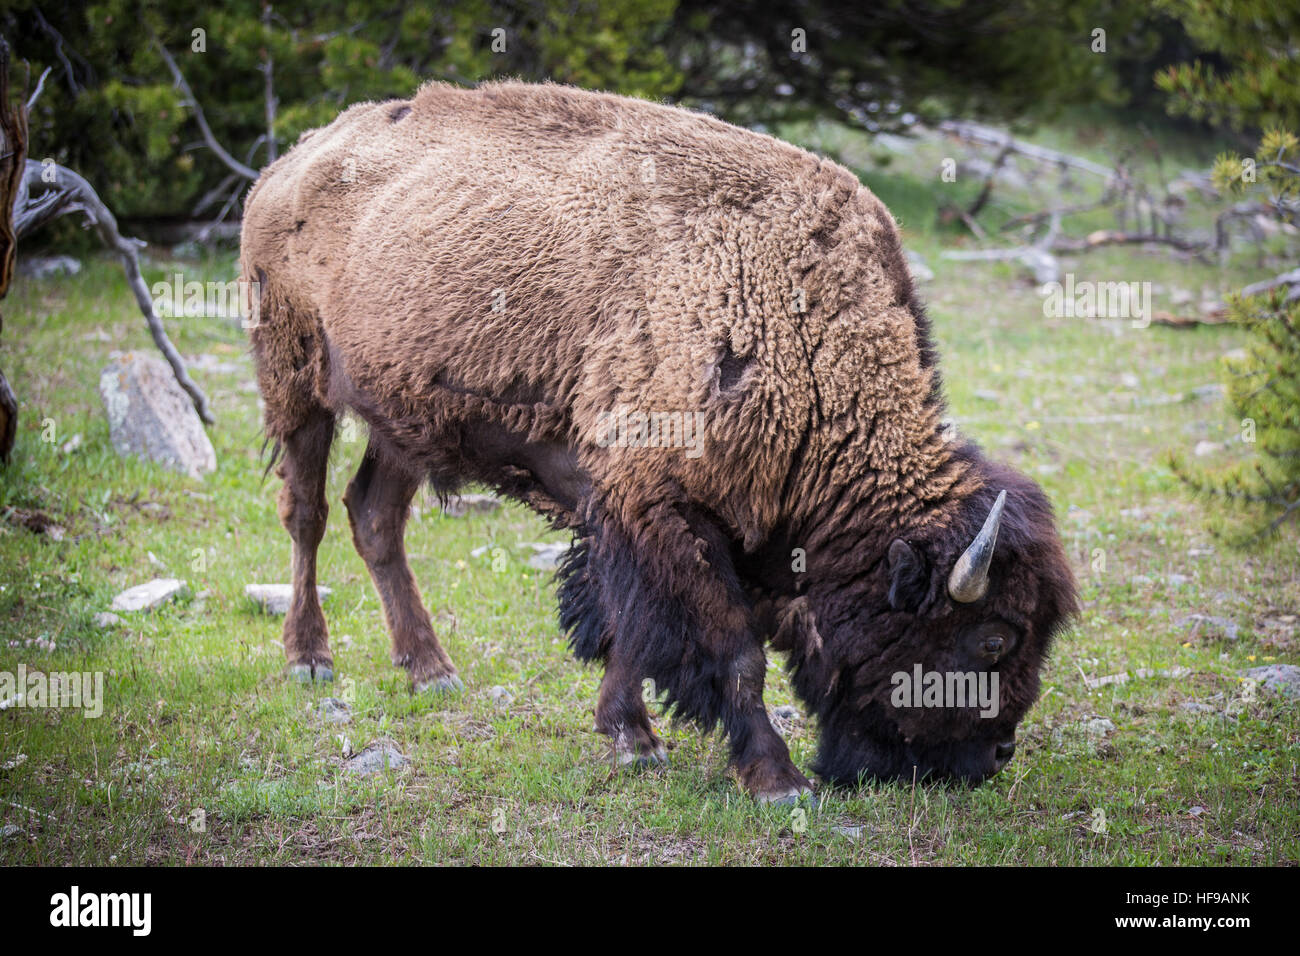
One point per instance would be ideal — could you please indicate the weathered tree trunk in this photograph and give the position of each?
(13, 157)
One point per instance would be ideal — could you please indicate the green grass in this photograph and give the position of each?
(199, 725)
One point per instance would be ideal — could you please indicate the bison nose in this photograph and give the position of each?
(1004, 751)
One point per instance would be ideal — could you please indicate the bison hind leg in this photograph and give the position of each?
(303, 512)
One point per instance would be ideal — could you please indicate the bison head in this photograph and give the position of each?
(924, 665)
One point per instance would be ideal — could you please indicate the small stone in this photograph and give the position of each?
(334, 711)
(1206, 392)
(1209, 627)
(48, 267)
(1098, 726)
(144, 597)
(1204, 449)
(852, 832)
(107, 619)
(376, 758)
(786, 712)
(1196, 707)
(1129, 380)
(458, 506)
(920, 269)
(501, 698)
(548, 555)
(1283, 679)
(151, 416)
(275, 599)
(71, 445)
(9, 830)
(1197, 811)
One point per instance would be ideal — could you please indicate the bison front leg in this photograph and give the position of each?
(676, 614)
(378, 500)
(621, 715)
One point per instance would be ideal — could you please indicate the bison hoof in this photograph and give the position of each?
(641, 760)
(306, 673)
(446, 684)
(784, 798)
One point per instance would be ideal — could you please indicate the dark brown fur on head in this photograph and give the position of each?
(875, 611)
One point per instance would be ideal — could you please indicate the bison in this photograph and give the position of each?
(699, 349)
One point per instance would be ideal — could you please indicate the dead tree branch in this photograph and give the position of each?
(40, 85)
(192, 102)
(39, 201)
(988, 136)
(13, 158)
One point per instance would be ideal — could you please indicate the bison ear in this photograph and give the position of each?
(908, 578)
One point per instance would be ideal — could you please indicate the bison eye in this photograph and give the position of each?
(993, 646)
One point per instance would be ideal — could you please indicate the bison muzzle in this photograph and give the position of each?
(699, 349)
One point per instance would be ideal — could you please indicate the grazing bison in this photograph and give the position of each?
(697, 347)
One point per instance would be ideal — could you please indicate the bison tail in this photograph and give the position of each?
(292, 359)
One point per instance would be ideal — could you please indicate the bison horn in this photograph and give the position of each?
(970, 575)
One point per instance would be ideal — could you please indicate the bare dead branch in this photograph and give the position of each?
(38, 201)
(208, 137)
(40, 85)
(987, 189)
(13, 158)
(268, 88)
(1290, 279)
(988, 136)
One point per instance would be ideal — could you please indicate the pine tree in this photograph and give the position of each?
(1263, 380)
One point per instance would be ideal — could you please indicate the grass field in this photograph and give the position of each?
(205, 754)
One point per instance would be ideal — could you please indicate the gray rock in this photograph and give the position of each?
(9, 830)
(458, 506)
(1206, 392)
(920, 269)
(149, 415)
(334, 711)
(1196, 707)
(852, 832)
(1209, 627)
(548, 555)
(1204, 449)
(144, 597)
(47, 267)
(107, 619)
(276, 598)
(1097, 726)
(501, 698)
(376, 758)
(786, 712)
(1282, 679)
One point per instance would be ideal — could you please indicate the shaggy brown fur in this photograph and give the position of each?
(481, 274)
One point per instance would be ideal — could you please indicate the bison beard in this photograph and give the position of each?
(485, 276)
